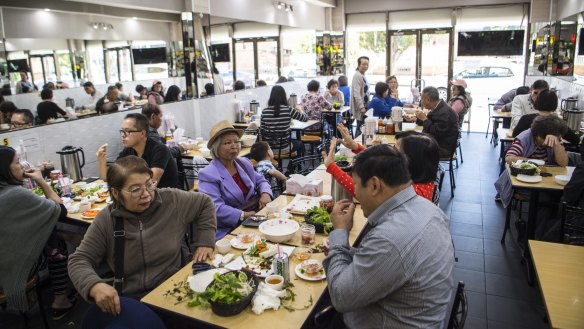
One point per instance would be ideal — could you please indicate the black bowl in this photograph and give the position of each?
(318, 228)
(344, 165)
(520, 171)
(222, 309)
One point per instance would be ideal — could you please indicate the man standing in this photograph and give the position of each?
(523, 104)
(441, 122)
(134, 132)
(359, 96)
(401, 273)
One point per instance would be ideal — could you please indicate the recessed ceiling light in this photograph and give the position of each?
(47, 9)
(134, 18)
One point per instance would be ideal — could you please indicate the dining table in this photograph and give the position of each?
(547, 184)
(505, 139)
(307, 292)
(495, 115)
(296, 126)
(559, 272)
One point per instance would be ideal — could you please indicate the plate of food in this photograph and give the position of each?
(244, 240)
(529, 179)
(301, 203)
(262, 267)
(91, 213)
(310, 270)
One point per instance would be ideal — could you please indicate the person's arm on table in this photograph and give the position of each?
(560, 154)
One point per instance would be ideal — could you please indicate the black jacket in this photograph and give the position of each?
(442, 123)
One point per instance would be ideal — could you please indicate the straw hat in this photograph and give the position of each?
(220, 128)
(459, 82)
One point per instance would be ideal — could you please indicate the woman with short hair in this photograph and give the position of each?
(154, 223)
(236, 189)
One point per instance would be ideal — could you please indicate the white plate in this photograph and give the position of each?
(301, 203)
(252, 263)
(529, 179)
(199, 282)
(537, 162)
(303, 276)
(237, 244)
(288, 250)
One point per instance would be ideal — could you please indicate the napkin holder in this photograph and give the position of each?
(300, 184)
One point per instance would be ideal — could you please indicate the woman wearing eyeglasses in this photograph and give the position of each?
(236, 189)
(154, 224)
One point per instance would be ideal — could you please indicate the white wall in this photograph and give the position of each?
(305, 15)
(569, 7)
(360, 6)
(39, 24)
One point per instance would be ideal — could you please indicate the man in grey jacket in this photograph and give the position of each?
(359, 96)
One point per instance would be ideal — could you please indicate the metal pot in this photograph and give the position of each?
(293, 100)
(337, 190)
(253, 107)
(573, 118)
(70, 102)
(568, 103)
(70, 162)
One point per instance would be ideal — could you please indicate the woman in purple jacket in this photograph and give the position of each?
(236, 189)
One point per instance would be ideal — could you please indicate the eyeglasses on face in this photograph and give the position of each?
(127, 132)
(137, 191)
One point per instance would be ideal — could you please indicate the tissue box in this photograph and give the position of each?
(312, 187)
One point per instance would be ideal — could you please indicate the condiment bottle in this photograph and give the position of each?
(326, 202)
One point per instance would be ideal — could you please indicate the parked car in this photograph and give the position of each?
(247, 78)
(485, 72)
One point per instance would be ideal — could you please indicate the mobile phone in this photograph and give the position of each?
(254, 220)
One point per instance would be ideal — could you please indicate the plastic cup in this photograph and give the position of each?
(570, 170)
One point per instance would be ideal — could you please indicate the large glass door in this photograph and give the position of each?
(420, 58)
(267, 57)
(118, 64)
(43, 69)
(245, 64)
(256, 59)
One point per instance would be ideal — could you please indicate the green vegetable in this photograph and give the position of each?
(228, 288)
(340, 158)
(320, 216)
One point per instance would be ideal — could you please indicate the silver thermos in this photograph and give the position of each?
(253, 107)
(70, 102)
(337, 190)
(70, 162)
(293, 100)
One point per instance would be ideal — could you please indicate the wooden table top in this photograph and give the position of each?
(359, 222)
(343, 109)
(305, 290)
(547, 183)
(505, 134)
(500, 114)
(559, 270)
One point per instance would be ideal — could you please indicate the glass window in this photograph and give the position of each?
(371, 44)
(96, 62)
(298, 53)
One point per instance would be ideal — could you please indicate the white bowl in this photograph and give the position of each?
(223, 246)
(274, 278)
(562, 179)
(248, 140)
(279, 230)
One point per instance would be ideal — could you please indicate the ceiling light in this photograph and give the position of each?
(287, 7)
(134, 18)
(279, 5)
(47, 9)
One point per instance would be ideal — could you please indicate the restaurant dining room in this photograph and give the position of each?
(292, 164)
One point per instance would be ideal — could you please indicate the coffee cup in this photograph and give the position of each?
(275, 282)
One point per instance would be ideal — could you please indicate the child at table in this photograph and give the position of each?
(263, 155)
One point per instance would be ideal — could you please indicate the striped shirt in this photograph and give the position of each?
(516, 150)
(279, 124)
(401, 275)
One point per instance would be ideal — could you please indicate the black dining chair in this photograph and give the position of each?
(459, 309)
(278, 141)
(572, 225)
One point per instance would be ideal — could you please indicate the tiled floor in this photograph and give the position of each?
(498, 294)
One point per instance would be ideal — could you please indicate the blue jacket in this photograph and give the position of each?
(380, 107)
(393, 102)
(346, 90)
(216, 182)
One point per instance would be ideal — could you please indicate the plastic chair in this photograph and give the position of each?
(33, 295)
(459, 309)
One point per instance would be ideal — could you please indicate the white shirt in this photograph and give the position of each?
(521, 106)
(93, 100)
